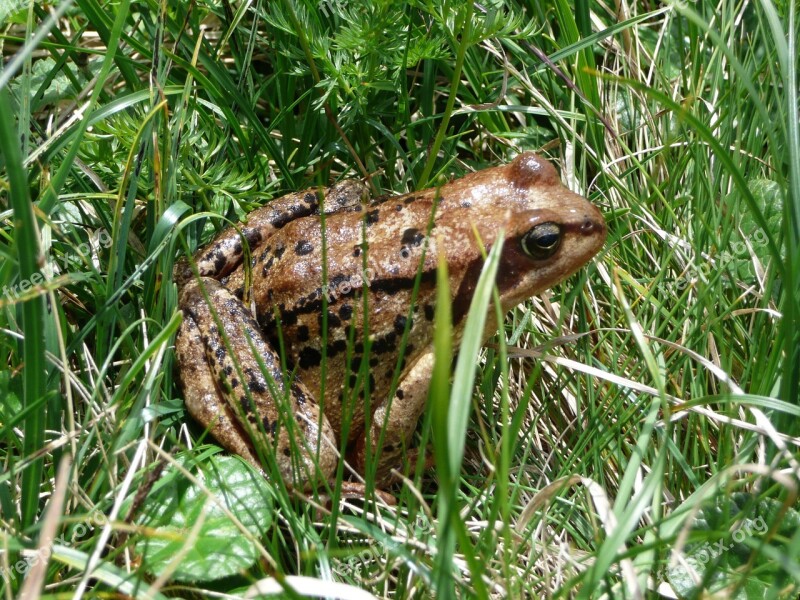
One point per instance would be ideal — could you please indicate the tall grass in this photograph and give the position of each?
(632, 433)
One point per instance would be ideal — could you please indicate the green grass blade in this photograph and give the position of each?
(450, 420)
(439, 394)
(28, 249)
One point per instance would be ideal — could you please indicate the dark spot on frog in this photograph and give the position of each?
(355, 363)
(310, 198)
(356, 251)
(466, 204)
(279, 250)
(412, 237)
(302, 333)
(279, 219)
(253, 237)
(234, 383)
(303, 247)
(398, 207)
(372, 217)
(255, 385)
(309, 357)
(237, 246)
(405, 252)
(409, 199)
(373, 362)
(299, 395)
(312, 303)
(429, 312)
(267, 266)
(220, 353)
(286, 452)
(336, 281)
(269, 428)
(262, 257)
(400, 324)
(334, 322)
(384, 344)
(345, 312)
(220, 260)
(336, 348)
(288, 318)
(246, 405)
(400, 394)
(239, 292)
(266, 321)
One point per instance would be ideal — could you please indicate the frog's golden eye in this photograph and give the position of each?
(541, 241)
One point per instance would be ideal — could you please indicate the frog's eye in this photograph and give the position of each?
(541, 241)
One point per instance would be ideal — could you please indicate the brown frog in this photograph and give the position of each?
(373, 257)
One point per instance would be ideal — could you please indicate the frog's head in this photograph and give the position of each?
(549, 232)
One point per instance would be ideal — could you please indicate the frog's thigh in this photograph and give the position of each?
(289, 424)
(202, 399)
(406, 408)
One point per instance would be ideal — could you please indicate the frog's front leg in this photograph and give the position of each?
(389, 436)
(225, 252)
(220, 359)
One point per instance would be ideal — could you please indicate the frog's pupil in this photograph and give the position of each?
(547, 240)
(542, 241)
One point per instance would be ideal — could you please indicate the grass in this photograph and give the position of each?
(633, 433)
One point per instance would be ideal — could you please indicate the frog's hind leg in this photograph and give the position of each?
(202, 398)
(223, 359)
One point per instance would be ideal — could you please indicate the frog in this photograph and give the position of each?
(281, 311)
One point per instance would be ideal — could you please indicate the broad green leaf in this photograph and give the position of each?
(178, 512)
(768, 197)
(734, 551)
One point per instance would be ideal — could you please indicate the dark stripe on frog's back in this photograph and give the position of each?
(312, 303)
